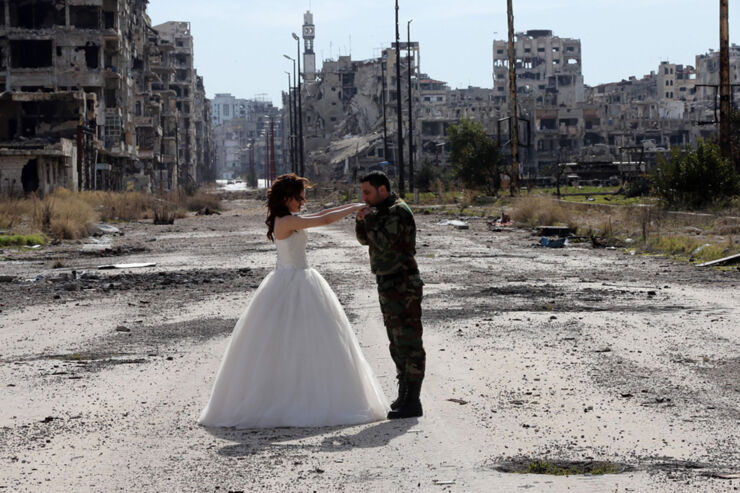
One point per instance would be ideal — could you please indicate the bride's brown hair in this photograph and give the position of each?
(284, 188)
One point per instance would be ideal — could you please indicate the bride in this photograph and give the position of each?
(293, 359)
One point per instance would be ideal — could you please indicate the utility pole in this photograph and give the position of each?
(273, 173)
(411, 115)
(401, 181)
(385, 126)
(290, 124)
(514, 119)
(724, 79)
(300, 109)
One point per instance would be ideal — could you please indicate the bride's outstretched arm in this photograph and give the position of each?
(328, 211)
(292, 223)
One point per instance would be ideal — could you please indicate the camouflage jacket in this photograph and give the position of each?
(390, 233)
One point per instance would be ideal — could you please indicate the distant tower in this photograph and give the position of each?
(309, 58)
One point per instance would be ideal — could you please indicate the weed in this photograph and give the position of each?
(22, 240)
(539, 211)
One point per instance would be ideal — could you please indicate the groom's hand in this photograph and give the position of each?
(362, 213)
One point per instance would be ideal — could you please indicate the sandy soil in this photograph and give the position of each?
(562, 355)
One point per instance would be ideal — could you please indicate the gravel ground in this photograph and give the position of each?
(569, 356)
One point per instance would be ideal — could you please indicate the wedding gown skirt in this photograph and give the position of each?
(293, 359)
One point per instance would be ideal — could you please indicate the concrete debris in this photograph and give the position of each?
(454, 222)
(128, 266)
(103, 229)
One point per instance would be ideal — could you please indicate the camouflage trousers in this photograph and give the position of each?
(400, 301)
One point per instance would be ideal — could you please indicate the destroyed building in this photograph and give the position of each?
(244, 131)
(90, 72)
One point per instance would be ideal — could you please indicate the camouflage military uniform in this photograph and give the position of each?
(390, 233)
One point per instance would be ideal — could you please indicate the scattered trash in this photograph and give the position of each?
(32, 247)
(559, 231)
(102, 229)
(700, 248)
(122, 328)
(724, 475)
(96, 246)
(7, 278)
(48, 419)
(732, 259)
(502, 221)
(454, 222)
(207, 211)
(126, 266)
(553, 243)
(443, 482)
(458, 401)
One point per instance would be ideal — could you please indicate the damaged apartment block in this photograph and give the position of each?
(86, 83)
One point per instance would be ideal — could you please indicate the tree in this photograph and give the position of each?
(476, 158)
(696, 177)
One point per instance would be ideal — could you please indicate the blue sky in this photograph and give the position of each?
(239, 43)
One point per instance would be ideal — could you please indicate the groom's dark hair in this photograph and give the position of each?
(376, 179)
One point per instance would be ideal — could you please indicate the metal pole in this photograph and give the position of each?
(401, 180)
(724, 79)
(273, 173)
(514, 187)
(290, 124)
(385, 126)
(300, 109)
(411, 116)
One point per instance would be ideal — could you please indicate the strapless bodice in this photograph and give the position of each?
(291, 252)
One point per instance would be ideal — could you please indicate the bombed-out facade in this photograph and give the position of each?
(90, 99)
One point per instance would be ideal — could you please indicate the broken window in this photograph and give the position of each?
(2, 58)
(36, 14)
(2, 12)
(84, 17)
(30, 176)
(181, 75)
(30, 53)
(92, 56)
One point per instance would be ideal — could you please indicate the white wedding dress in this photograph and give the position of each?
(293, 359)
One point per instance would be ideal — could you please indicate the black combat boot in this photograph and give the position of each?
(410, 405)
(401, 392)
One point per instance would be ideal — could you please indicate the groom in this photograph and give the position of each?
(390, 232)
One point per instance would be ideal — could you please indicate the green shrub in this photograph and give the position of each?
(696, 178)
(20, 240)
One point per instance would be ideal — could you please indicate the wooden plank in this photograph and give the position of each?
(727, 260)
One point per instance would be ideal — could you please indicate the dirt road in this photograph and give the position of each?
(573, 355)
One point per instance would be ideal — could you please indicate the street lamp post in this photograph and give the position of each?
(290, 124)
(294, 129)
(401, 180)
(411, 118)
(300, 109)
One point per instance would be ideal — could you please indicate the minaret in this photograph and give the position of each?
(309, 58)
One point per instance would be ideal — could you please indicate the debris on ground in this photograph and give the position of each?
(553, 242)
(732, 259)
(559, 231)
(128, 266)
(458, 401)
(102, 229)
(454, 222)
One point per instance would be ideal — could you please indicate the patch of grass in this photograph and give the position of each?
(539, 211)
(64, 215)
(200, 200)
(22, 240)
(700, 249)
